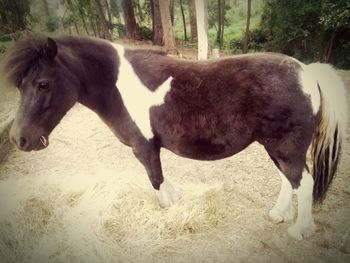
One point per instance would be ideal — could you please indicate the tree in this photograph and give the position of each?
(183, 19)
(139, 10)
(193, 22)
(336, 24)
(221, 22)
(104, 26)
(292, 27)
(202, 28)
(115, 10)
(81, 11)
(14, 15)
(46, 8)
(132, 29)
(172, 9)
(169, 38)
(157, 23)
(246, 38)
(313, 30)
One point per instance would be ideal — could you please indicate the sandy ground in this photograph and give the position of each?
(87, 199)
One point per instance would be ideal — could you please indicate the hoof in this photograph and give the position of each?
(282, 216)
(301, 232)
(167, 195)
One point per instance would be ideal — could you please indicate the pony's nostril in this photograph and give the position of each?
(22, 142)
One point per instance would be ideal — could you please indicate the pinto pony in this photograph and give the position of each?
(201, 110)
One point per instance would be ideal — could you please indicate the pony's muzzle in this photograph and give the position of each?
(21, 142)
(24, 144)
(27, 141)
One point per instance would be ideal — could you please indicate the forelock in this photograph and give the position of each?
(23, 55)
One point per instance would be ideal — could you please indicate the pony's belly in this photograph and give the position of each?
(204, 149)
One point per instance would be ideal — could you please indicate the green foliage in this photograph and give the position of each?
(2, 48)
(53, 24)
(341, 52)
(121, 29)
(336, 14)
(235, 23)
(14, 15)
(308, 30)
(5, 38)
(146, 33)
(291, 25)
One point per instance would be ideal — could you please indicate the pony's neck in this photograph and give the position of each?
(95, 63)
(97, 70)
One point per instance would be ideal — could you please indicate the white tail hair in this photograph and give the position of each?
(329, 134)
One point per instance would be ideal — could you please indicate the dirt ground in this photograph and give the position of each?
(222, 216)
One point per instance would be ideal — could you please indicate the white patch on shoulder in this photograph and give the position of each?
(308, 81)
(167, 195)
(137, 98)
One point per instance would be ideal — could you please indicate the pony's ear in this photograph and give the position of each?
(50, 49)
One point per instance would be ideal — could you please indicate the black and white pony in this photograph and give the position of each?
(201, 110)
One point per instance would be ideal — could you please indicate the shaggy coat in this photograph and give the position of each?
(204, 110)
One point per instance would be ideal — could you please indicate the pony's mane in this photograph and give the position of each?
(20, 57)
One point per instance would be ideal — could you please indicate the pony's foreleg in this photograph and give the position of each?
(149, 155)
(304, 225)
(283, 209)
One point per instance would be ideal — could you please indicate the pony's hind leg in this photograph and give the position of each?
(283, 210)
(291, 160)
(304, 225)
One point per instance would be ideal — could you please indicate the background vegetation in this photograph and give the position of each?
(310, 30)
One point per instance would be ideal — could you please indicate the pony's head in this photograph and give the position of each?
(47, 90)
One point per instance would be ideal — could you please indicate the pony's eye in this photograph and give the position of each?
(43, 85)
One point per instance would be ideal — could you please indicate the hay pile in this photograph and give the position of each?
(100, 218)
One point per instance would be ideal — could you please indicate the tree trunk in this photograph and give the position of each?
(183, 19)
(139, 10)
(46, 8)
(108, 11)
(132, 30)
(93, 26)
(171, 8)
(169, 39)
(218, 35)
(21, 23)
(330, 47)
(103, 21)
(246, 38)
(222, 23)
(202, 28)
(76, 28)
(157, 23)
(115, 10)
(82, 16)
(193, 22)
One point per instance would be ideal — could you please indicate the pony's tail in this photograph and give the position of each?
(329, 134)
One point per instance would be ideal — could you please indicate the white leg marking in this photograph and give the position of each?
(167, 195)
(137, 98)
(308, 83)
(283, 210)
(304, 225)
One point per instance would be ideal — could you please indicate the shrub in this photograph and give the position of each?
(146, 33)
(53, 24)
(310, 30)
